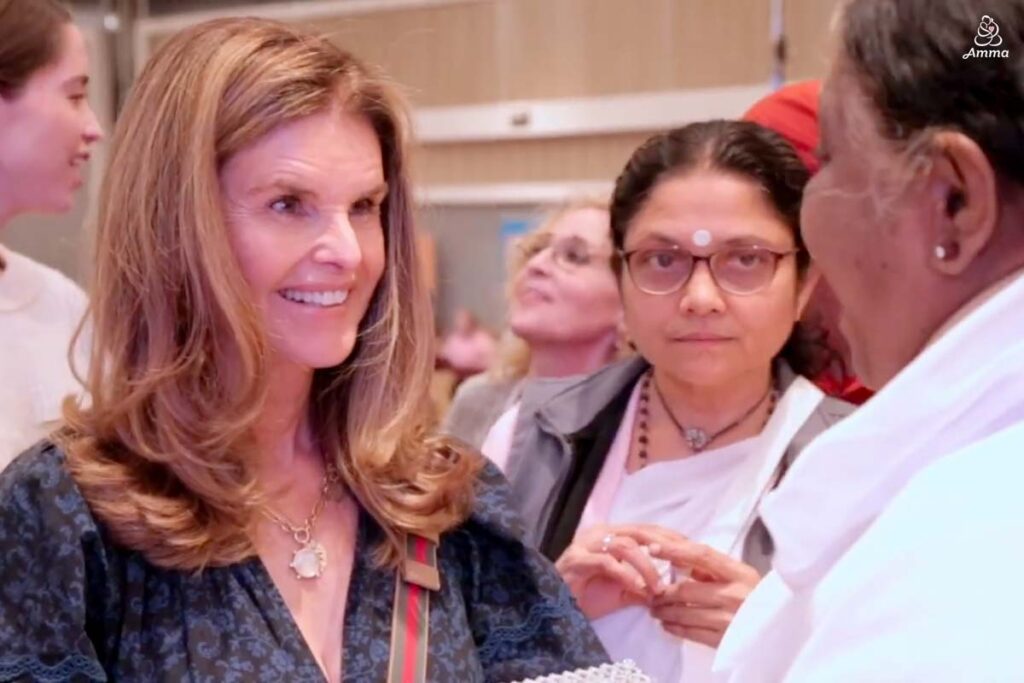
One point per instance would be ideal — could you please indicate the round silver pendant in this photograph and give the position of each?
(309, 561)
(697, 438)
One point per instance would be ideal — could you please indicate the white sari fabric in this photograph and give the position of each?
(711, 497)
(899, 533)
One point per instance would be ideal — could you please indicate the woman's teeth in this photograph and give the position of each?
(325, 299)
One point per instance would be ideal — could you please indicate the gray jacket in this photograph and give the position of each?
(565, 429)
(477, 405)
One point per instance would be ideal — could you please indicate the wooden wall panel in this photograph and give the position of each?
(571, 48)
(476, 52)
(441, 55)
(586, 48)
(578, 158)
(499, 50)
(721, 42)
(811, 41)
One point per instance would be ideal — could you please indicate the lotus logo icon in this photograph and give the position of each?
(988, 33)
(988, 38)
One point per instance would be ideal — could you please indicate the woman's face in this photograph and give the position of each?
(865, 236)
(566, 291)
(46, 131)
(702, 334)
(303, 208)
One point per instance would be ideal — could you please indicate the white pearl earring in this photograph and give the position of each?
(948, 251)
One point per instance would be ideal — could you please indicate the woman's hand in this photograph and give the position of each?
(700, 607)
(607, 569)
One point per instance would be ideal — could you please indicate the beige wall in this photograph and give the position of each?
(810, 39)
(473, 52)
(598, 157)
(479, 52)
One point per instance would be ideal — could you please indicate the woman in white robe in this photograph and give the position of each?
(900, 533)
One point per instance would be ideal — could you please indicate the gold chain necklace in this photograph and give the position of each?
(310, 560)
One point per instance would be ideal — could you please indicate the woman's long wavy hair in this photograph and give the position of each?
(163, 450)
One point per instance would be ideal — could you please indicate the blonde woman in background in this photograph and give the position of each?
(46, 131)
(564, 316)
(249, 494)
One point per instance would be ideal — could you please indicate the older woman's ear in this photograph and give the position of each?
(964, 194)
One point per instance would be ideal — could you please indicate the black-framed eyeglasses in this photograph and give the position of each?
(738, 270)
(568, 253)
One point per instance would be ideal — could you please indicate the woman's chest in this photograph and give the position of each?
(233, 625)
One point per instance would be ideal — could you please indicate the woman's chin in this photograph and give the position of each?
(317, 356)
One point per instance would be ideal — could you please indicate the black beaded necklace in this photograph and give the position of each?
(696, 438)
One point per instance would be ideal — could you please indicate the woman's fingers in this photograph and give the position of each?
(698, 594)
(583, 566)
(680, 616)
(704, 636)
(687, 554)
(697, 556)
(629, 552)
(648, 534)
(699, 611)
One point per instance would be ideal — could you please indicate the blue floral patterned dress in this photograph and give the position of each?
(76, 606)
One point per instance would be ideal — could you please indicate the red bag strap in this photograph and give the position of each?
(410, 620)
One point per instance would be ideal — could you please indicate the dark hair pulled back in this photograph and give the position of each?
(740, 148)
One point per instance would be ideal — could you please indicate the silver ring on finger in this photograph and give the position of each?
(606, 542)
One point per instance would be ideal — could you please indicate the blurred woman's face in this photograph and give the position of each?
(566, 291)
(702, 333)
(303, 208)
(46, 131)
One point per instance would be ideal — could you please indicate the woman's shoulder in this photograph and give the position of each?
(484, 385)
(47, 287)
(572, 403)
(829, 412)
(519, 609)
(493, 534)
(494, 515)
(39, 501)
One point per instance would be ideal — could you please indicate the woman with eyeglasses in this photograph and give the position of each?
(630, 477)
(564, 319)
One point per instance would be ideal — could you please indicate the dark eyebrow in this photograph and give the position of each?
(740, 241)
(289, 187)
(378, 192)
(281, 185)
(749, 240)
(82, 80)
(660, 239)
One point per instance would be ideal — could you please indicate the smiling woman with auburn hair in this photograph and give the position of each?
(250, 486)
